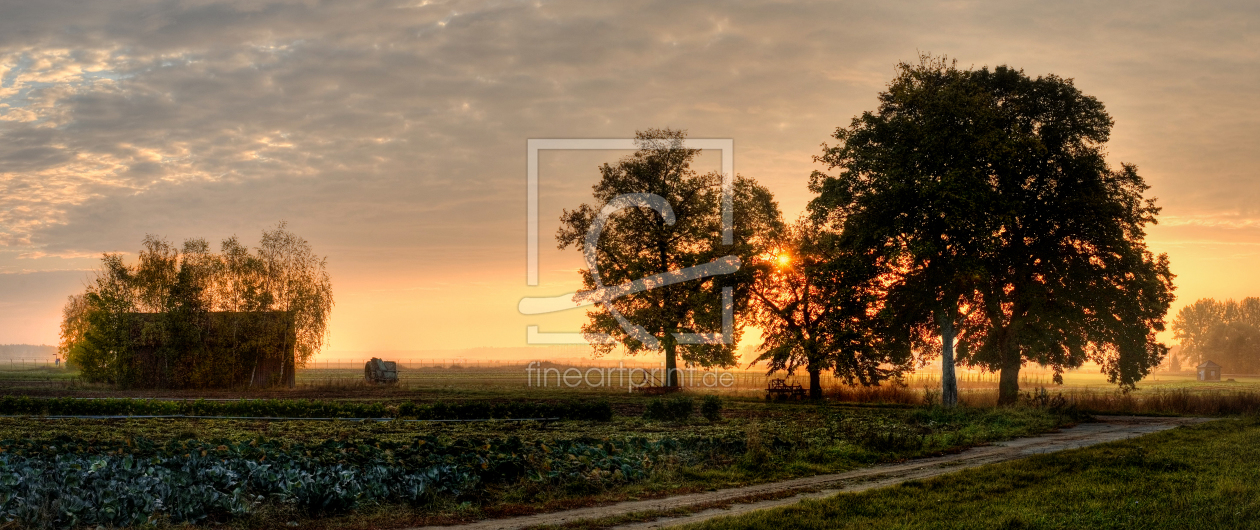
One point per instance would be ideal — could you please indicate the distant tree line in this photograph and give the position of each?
(971, 217)
(188, 310)
(1226, 332)
(26, 350)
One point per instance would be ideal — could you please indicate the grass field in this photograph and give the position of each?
(527, 467)
(1161, 393)
(1191, 477)
(499, 376)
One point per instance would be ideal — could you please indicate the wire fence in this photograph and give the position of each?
(19, 363)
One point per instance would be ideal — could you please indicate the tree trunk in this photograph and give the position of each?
(949, 383)
(1008, 380)
(815, 384)
(671, 363)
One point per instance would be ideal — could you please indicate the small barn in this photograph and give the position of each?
(213, 350)
(1209, 371)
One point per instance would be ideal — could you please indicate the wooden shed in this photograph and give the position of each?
(219, 350)
(1209, 371)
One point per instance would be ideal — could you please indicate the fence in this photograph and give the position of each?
(23, 363)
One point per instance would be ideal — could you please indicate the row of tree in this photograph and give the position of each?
(1227, 333)
(164, 306)
(972, 217)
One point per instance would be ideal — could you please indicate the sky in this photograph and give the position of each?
(392, 135)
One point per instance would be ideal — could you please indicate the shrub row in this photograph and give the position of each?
(681, 408)
(66, 482)
(594, 410)
(597, 410)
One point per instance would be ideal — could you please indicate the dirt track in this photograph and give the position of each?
(735, 501)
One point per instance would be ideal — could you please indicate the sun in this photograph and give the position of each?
(783, 259)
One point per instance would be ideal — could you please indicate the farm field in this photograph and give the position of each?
(325, 474)
(607, 444)
(491, 378)
(1161, 393)
(1190, 477)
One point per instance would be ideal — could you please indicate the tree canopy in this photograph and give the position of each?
(101, 328)
(663, 216)
(995, 216)
(817, 307)
(1226, 332)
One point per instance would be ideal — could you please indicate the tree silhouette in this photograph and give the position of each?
(989, 197)
(1226, 332)
(638, 241)
(911, 189)
(814, 304)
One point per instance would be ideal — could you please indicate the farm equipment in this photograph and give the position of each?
(379, 372)
(780, 389)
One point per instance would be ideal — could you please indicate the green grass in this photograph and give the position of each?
(1206, 476)
(18, 372)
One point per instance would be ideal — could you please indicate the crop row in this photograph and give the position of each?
(597, 410)
(67, 482)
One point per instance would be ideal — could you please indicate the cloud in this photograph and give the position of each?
(393, 132)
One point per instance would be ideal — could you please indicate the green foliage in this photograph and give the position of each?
(934, 428)
(68, 482)
(711, 407)
(538, 463)
(877, 433)
(592, 410)
(189, 318)
(673, 409)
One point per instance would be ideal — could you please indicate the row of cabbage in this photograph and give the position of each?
(66, 482)
(596, 410)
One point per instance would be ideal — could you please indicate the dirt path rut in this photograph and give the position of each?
(735, 501)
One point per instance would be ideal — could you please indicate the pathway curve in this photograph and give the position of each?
(734, 501)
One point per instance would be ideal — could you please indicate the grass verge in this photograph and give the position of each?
(1190, 477)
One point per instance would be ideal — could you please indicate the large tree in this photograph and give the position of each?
(814, 303)
(1194, 323)
(914, 190)
(1001, 180)
(662, 217)
(1068, 277)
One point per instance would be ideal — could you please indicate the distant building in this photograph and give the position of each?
(225, 350)
(1209, 371)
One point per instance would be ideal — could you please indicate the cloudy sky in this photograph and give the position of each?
(392, 135)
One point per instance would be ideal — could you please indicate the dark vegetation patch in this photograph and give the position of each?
(359, 473)
(594, 410)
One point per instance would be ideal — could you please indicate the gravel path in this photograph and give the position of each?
(734, 501)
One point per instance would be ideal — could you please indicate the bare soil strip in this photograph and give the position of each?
(734, 501)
